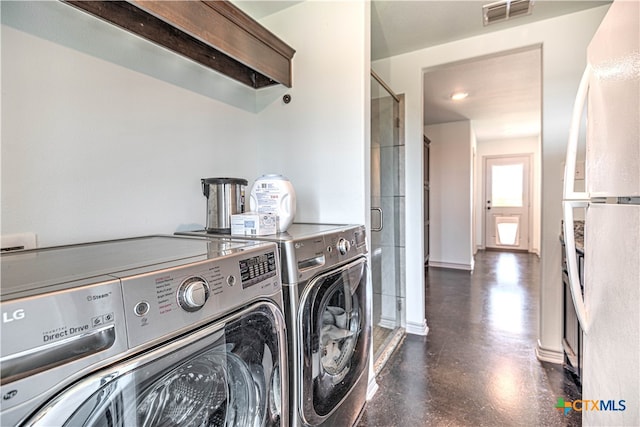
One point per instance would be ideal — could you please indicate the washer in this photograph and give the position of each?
(149, 331)
(324, 275)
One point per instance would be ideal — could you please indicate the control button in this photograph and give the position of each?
(343, 246)
(231, 280)
(193, 293)
(141, 308)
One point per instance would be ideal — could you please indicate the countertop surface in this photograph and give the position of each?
(578, 227)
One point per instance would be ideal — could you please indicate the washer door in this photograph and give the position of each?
(333, 332)
(226, 374)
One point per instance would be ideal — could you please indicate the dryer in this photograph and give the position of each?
(324, 275)
(149, 331)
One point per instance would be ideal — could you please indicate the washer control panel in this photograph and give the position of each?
(174, 300)
(254, 269)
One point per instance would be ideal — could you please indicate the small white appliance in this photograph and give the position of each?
(609, 310)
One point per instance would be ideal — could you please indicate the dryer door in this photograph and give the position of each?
(226, 374)
(334, 334)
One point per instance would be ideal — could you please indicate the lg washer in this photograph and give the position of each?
(149, 331)
(324, 274)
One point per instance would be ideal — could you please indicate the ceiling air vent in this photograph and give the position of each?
(505, 9)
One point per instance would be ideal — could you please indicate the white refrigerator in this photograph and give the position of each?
(609, 310)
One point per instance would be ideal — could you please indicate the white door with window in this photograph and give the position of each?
(506, 201)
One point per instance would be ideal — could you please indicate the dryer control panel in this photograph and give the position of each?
(320, 252)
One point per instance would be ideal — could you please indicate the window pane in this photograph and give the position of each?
(506, 185)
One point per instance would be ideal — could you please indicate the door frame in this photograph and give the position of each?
(530, 158)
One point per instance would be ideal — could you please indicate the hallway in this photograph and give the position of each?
(477, 366)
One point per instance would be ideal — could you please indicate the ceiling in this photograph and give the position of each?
(403, 26)
(504, 90)
(505, 99)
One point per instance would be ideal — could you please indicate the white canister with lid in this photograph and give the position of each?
(274, 194)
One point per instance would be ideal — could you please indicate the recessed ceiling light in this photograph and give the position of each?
(457, 96)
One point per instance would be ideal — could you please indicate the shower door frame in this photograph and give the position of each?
(388, 227)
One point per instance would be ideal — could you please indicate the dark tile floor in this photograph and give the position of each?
(477, 366)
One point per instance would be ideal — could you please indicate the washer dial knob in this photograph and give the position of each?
(193, 293)
(343, 246)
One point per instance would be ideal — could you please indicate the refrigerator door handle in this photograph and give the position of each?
(572, 262)
(569, 192)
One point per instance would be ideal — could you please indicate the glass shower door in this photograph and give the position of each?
(387, 214)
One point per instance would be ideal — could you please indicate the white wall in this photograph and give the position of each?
(529, 145)
(564, 40)
(450, 207)
(320, 140)
(105, 135)
(93, 149)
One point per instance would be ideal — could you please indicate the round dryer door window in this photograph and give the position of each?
(227, 374)
(335, 345)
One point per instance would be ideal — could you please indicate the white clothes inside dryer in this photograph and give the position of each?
(337, 342)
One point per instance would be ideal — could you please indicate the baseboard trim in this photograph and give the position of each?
(507, 249)
(388, 323)
(451, 265)
(372, 388)
(548, 355)
(417, 328)
(535, 251)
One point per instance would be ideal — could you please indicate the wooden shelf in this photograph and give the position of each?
(215, 34)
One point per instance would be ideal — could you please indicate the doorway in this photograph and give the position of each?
(387, 215)
(507, 202)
